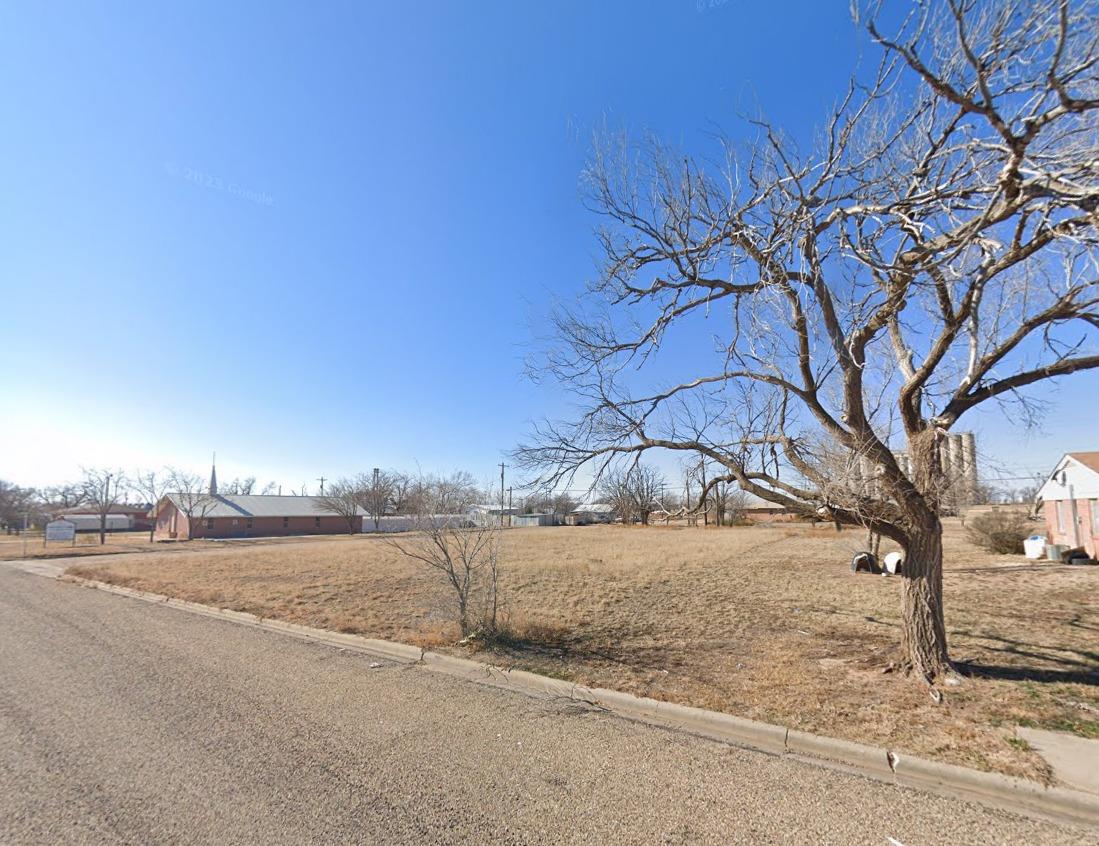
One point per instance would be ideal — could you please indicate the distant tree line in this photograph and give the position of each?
(102, 491)
(382, 493)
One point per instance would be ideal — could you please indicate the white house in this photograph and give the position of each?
(1070, 502)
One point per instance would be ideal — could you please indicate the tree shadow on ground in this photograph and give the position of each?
(548, 643)
(1086, 660)
(1012, 569)
(1043, 675)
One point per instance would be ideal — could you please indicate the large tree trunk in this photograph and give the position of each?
(923, 641)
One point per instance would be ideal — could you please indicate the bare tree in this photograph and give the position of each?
(238, 487)
(934, 250)
(536, 502)
(102, 491)
(1026, 494)
(632, 491)
(191, 495)
(645, 484)
(672, 506)
(563, 503)
(151, 487)
(689, 506)
(452, 494)
(729, 503)
(376, 493)
(467, 555)
(722, 499)
(404, 492)
(543, 501)
(343, 497)
(15, 502)
(64, 496)
(736, 505)
(719, 497)
(614, 490)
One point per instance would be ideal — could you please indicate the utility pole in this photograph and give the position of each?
(702, 496)
(322, 480)
(375, 495)
(501, 493)
(104, 507)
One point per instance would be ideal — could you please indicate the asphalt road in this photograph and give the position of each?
(125, 722)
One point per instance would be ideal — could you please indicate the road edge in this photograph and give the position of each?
(1058, 804)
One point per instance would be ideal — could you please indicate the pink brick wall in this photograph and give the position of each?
(1087, 520)
(170, 521)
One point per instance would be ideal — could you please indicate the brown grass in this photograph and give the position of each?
(764, 622)
(87, 543)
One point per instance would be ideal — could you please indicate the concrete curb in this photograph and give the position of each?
(1058, 804)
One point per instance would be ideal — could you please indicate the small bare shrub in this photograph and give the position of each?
(468, 558)
(1001, 532)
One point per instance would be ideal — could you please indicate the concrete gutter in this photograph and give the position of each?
(1058, 804)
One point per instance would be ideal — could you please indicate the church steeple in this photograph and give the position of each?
(214, 476)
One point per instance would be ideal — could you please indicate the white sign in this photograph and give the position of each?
(60, 530)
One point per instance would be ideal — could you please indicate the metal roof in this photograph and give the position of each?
(263, 505)
(594, 508)
(117, 508)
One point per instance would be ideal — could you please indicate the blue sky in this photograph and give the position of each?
(319, 238)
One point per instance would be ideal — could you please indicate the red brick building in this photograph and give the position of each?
(1070, 502)
(185, 516)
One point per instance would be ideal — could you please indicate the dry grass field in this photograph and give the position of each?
(763, 622)
(87, 543)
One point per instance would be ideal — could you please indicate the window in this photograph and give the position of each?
(248, 524)
(1095, 518)
(316, 522)
(286, 522)
(209, 524)
(1061, 505)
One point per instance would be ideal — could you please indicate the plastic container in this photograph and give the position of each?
(1035, 546)
(1056, 552)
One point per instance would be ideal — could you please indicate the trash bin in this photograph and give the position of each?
(1035, 546)
(1056, 552)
